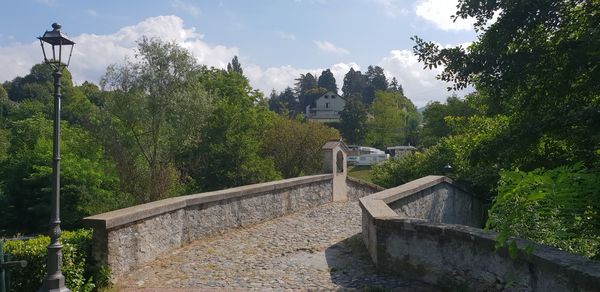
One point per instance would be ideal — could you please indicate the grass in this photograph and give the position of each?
(361, 172)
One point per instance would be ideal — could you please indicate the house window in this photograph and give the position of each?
(326, 96)
(326, 105)
(333, 96)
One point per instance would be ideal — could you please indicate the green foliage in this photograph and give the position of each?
(463, 152)
(394, 117)
(6, 106)
(284, 103)
(353, 121)
(305, 83)
(235, 66)
(75, 250)
(89, 184)
(327, 81)
(156, 111)
(295, 146)
(38, 84)
(92, 92)
(375, 81)
(435, 125)
(3, 93)
(354, 84)
(232, 137)
(395, 86)
(558, 207)
(532, 66)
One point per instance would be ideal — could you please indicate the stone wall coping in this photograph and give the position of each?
(365, 183)
(574, 266)
(377, 209)
(377, 204)
(125, 216)
(410, 188)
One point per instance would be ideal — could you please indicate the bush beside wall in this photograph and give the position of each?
(76, 248)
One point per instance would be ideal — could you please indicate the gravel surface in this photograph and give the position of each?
(316, 249)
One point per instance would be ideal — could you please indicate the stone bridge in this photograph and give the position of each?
(324, 232)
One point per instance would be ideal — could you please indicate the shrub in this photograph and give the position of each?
(558, 207)
(468, 152)
(295, 146)
(75, 250)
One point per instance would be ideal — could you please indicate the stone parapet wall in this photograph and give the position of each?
(408, 231)
(358, 188)
(442, 202)
(126, 239)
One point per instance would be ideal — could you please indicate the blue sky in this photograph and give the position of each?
(276, 40)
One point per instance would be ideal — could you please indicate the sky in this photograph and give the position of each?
(275, 40)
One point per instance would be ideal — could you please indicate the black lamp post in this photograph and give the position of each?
(54, 42)
(447, 169)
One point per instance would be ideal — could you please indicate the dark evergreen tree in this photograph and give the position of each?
(235, 66)
(354, 84)
(327, 81)
(305, 83)
(376, 82)
(284, 103)
(395, 86)
(353, 121)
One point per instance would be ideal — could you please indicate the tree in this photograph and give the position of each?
(228, 154)
(353, 121)
(327, 81)
(531, 64)
(156, 109)
(5, 106)
(394, 116)
(89, 184)
(284, 103)
(354, 84)
(38, 84)
(235, 66)
(395, 86)
(527, 202)
(434, 118)
(531, 67)
(305, 83)
(462, 150)
(376, 81)
(296, 146)
(3, 94)
(92, 92)
(309, 97)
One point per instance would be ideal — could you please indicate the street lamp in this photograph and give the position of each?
(54, 43)
(447, 169)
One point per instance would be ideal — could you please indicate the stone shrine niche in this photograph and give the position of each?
(334, 161)
(339, 161)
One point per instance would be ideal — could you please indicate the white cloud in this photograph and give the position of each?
(186, 7)
(18, 59)
(393, 8)
(286, 35)
(93, 53)
(439, 13)
(328, 47)
(420, 85)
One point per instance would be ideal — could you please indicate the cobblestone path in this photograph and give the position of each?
(316, 249)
